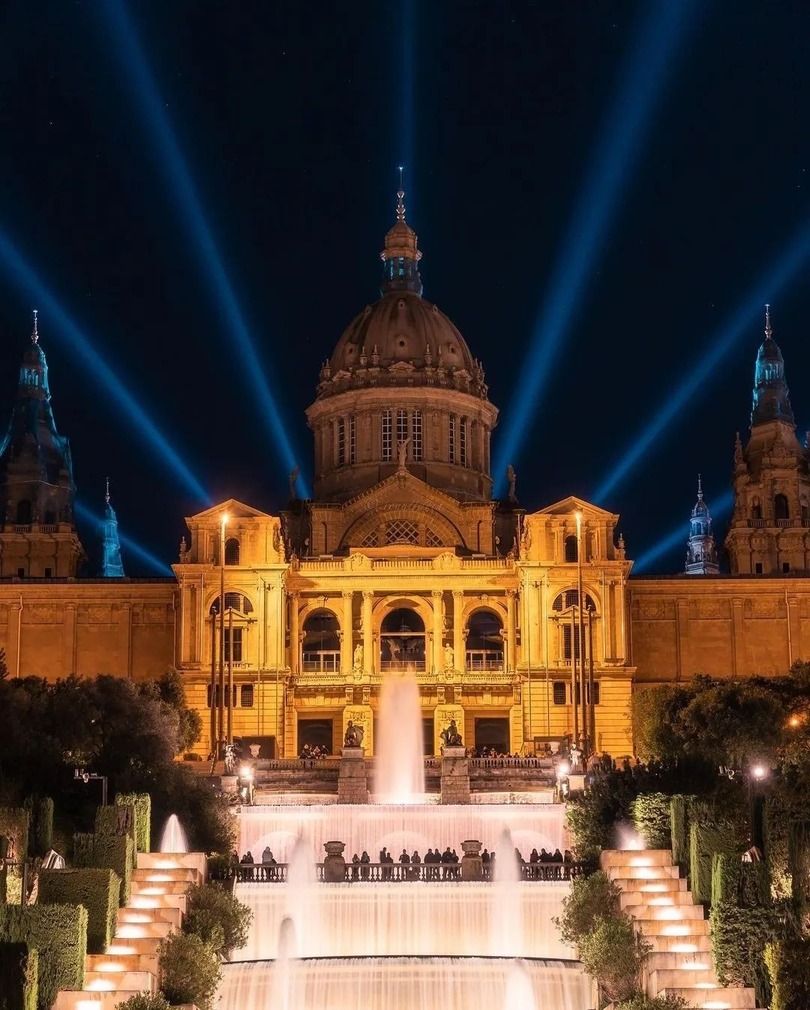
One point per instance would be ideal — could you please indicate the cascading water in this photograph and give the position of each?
(400, 776)
(519, 988)
(173, 838)
(302, 897)
(507, 935)
(287, 952)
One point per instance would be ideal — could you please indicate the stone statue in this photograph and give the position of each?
(402, 453)
(449, 658)
(353, 737)
(293, 482)
(511, 478)
(357, 665)
(450, 736)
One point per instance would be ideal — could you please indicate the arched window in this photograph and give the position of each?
(756, 509)
(570, 598)
(781, 509)
(485, 641)
(232, 551)
(321, 642)
(402, 640)
(233, 601)
(24, 512)
(571, 551)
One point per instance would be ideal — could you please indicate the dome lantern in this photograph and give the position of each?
(401, 254)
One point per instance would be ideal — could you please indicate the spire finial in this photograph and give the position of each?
(400, 197)
(35, 332)
(700, 487)
(107, 492)
(768, 330)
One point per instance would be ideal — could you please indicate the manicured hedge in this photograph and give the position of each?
(118, 820)
(40, 840)
(704, 842)
(142, 802)
(679, 829)
(744, 884)
(799, 862)
(739, 938)
(59, 934)
(789, 969)
(19, 966)
(652, 819)
(112, 852)
(97, 889)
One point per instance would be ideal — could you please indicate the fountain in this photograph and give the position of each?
(519, 988)
(400, 764)
(506, 922)
(173, 838)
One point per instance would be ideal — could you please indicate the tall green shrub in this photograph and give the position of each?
(217, 917)
(97, 889)
(788, 964)
(19, 970)
(40, 811)
(739, 937)
(799, 863)
(112, 852)
(651, 819)
(189, 971)
(590, 898)
(743, 884)
(704, 842)
(59, 934)
(142, 803)
(614, 953)
(118, 820)
(679, 830)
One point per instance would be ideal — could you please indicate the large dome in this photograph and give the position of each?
(401, 340)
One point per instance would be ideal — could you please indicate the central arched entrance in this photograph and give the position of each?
(402, 640)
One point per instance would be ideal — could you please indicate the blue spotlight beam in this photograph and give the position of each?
(406, 19)
(133, 548)
(616, 152)
(156, 121)
(766, 289)
(680, 535)
(52, 312)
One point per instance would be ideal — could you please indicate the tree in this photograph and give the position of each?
(614, 954)
(655, 716)
(590, 898)
(643, 1002)
(217, 917)
(169, 688)
(189, 970)
(733, 723)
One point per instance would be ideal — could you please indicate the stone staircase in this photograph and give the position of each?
(156, 907)
(657, 899)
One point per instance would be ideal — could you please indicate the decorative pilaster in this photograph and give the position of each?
(511, 635)
(347, 636)
(369, 659)
(295, 636)
(437, 662)
(458, 632)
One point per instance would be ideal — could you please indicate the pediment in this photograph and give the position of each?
(402, 488)
(232, 508)
(571, 504)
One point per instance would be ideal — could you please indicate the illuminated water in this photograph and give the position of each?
(506, 920)
(173, 838)
(400, 775)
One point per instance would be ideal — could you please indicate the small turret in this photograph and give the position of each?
(401, 254)
(701, 552)
(771, 400)
(112, 565)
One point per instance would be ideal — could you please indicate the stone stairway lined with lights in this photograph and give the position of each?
(156, 907)
(658, 900)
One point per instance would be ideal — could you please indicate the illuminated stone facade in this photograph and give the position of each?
(403, 560)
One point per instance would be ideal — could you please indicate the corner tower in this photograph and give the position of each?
(701, 553)
(37, 491)
(769, 531)
(402, 390)
(112, 566)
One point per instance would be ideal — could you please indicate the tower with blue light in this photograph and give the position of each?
(769, 532)
(701, 552)
(112, 565)
(37, 490)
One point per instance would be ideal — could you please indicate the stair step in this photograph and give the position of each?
(669, 978)
(643, 872)
(675, 960)
(127, 946)
(715, 999)
(635, 857)
(674, 899)
(148, 901)
(174, 916)
(120, 981)
(645, 912)
(175, 874)
(661, 885)
(151, 887)
(174, 860)
(122, 962)
(680, 944)
(143, 930)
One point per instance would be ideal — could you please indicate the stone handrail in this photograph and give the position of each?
(276, 873)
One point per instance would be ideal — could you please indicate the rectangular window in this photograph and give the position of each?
(48, 573)
(462, 449)
(757, 568)
(402, 425)
(596, 698)
(247, 696)
(20, 573)
(452, 439)
(786, 566)
(208, 695)
(387, 436)
(341, 442)
(237, 645)
(416, 434)
(567, 642)
(559, 692)
(352, 439)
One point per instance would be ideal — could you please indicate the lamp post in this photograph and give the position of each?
(213, 699)
(221, 725)
(756, 773)
(591, 698)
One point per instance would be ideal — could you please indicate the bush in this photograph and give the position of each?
(118, 820)
(97, 889)
(789, 970)
(679, 829)
(59, 934)
(799, 863)
(15, 822)
(217, 917)
(40, 812)
(18, 977)
(112, 852)
(145, 1001)
(142, 804)
(739, 937)
(651, 819)
(591, 898)
(743, 884)
(704, 842)
(643, 1002)
(592, 816)
(614, 954)
(189, 970)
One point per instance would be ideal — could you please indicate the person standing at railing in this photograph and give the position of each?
(365, 859)
(416, 861)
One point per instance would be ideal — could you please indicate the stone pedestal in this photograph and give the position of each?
(472, 868)
(334, 865)
(455, 775)
(352, 785)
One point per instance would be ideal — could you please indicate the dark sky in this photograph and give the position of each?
(292, 117)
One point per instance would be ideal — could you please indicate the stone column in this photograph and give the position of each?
(511, 638)
(369, 659)
(347, 635)
(295, 636)
(437, 660)
(458, 632)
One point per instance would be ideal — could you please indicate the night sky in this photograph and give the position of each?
(291, 118)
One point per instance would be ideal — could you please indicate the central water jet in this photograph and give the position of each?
(401, 762)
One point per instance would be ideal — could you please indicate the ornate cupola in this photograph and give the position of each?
(701, 552)
(112, 565)
(771, 395)
(402, 386)
(36, 480)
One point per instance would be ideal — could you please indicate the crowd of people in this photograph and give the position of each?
(313, 751)
(438, 865)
